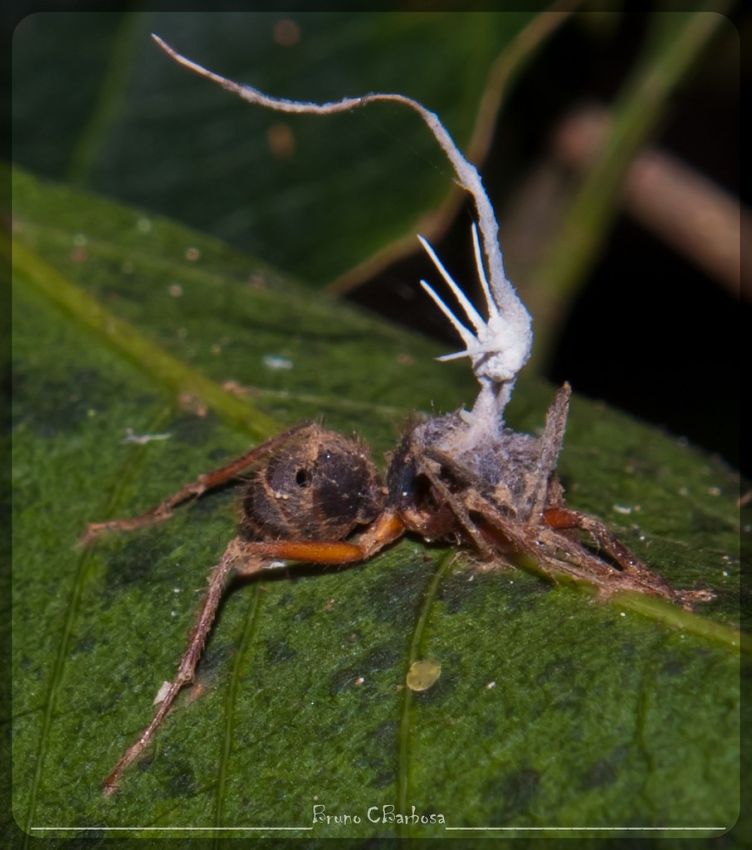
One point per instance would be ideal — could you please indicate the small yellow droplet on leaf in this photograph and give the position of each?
(423, 674)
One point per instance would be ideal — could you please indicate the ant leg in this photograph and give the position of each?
(552, 554)
(242, 558)
(458, 509)
(384, 530)
(206, 481)
(556, 554)
(219, 578)
(439, 459)
(560, 518)
(551, 442)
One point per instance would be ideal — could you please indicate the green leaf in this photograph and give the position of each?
(550, 711)
(129, 123)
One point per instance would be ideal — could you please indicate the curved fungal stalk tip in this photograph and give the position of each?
(500, 344)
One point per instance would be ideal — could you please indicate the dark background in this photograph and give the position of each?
(670, 353)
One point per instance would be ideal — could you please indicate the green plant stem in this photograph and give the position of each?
(666, 61)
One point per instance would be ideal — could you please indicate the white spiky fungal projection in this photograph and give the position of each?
(499, 344)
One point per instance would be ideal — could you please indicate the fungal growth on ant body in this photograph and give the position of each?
(464, 476)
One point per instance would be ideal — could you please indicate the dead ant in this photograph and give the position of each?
(463, 476)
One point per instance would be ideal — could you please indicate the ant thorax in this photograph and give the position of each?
(512, 470)
(492, 461)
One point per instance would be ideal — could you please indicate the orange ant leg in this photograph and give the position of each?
(563, 519)
(387, 528)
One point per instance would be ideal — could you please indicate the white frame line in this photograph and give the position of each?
(446, 828)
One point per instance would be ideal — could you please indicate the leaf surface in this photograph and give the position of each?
(550, 710)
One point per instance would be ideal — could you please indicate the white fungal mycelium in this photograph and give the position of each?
(499, 344)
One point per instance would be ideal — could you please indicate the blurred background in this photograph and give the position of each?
(608, 141)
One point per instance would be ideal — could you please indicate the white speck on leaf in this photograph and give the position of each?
(142, 439)
(275, 361)
(161, 693)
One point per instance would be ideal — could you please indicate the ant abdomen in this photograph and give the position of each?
(320, 486)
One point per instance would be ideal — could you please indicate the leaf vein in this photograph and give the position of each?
(250, 628)
(415, 647)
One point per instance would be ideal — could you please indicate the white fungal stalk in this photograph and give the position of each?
(499, 345)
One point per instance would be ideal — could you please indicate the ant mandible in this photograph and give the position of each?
(463, 476)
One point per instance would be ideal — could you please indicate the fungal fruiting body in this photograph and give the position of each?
(499, 345)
